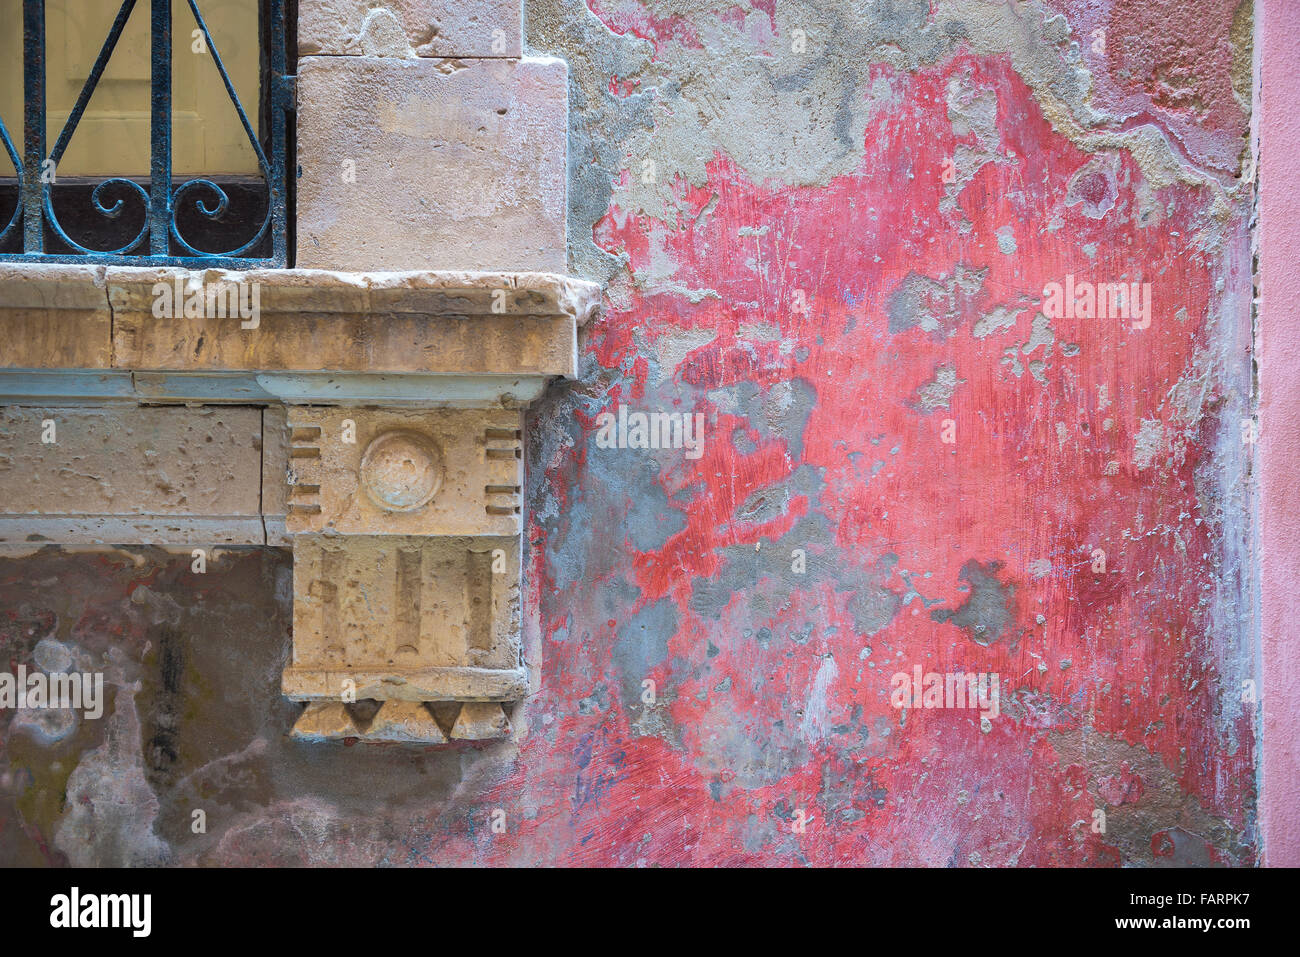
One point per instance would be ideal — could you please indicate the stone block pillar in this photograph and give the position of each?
(370, 416)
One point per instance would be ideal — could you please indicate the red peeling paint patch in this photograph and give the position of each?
(623, 17)
(774, 737)
(1171, 64)
(1162, 844)
(622, 86)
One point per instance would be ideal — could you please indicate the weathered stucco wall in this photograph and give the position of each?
(826, 227)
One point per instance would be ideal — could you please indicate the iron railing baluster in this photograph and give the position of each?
(281, 103)
(160, 131)
(33, 124)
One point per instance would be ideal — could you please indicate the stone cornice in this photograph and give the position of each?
(432, 292)
(320, 336)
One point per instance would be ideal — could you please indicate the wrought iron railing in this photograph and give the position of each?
(172, 207)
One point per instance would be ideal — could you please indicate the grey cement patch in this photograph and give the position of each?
(936, 306)
(997, 318)
(767, 579)
(779, 412)
(986, 615)
(642, 645)
(772, 501)
(937, 393)
(614, 494)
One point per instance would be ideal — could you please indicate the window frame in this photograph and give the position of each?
(179, 202)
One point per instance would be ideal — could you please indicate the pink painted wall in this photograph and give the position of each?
(1278, 344)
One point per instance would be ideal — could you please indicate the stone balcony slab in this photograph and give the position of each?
(428, 338)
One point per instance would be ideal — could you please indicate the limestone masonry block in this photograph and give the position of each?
(406, 533)
(449, 323)
(420, 163)
(405, 721)
(371, 421)
(275, 466)
(116, 461)
(426, 28)
(325, 719)
(489, 345)
(480, 721)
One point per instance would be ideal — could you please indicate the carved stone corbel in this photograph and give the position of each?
(406, 533)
